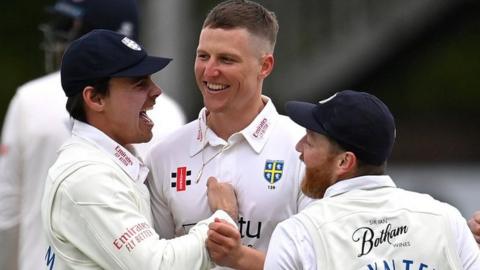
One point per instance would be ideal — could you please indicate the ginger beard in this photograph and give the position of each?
(317, 179)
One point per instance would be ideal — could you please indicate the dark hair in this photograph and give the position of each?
(363, 168)
(369, 169)
(244, 14)
(76, 105)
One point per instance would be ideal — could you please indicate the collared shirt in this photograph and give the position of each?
(35, 126)
(292, 246)
(260, 162)
(96, 211)
(129, 163)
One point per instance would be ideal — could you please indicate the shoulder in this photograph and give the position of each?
(82, 170)
(39, 85)
(178, 140)
(187, 131)
(288, 128)
(427, 202)
(36, 93)
(285, 133)
(77, 153)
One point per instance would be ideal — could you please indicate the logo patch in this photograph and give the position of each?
(133, 236)
(273, 170)
(261, 128)
(131, 44)
(181, 181)
(122, 156)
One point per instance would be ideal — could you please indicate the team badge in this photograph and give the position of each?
(180, 177)
(131, 44)
(273, 170)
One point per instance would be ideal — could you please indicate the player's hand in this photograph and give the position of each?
(474, 224)
(223, 243)
(222, 196)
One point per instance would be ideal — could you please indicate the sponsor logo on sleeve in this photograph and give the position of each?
(133, 236)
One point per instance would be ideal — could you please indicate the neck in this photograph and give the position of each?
(224, 124)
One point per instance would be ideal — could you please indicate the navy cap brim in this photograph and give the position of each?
(148, 66)
(302, 114)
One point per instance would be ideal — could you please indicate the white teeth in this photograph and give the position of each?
(145, 117)
(216, 86)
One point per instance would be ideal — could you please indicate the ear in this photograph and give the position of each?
(93, 100)
(347, 163)
(267, 65)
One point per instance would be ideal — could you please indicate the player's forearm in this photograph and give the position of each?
(251, 259)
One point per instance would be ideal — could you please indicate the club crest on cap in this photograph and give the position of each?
(327, 99)
(131, 44)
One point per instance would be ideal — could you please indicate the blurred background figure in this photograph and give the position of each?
(37, 123)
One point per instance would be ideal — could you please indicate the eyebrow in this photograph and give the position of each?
(137, 79)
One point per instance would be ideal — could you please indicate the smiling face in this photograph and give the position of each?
(229, 69)
(123, 114)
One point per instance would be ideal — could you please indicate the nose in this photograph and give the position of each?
(155, 90)
(211, 68)
(299, 145)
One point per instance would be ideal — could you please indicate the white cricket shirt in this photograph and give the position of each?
(35, 126)
(96, 211)
(260, 162)
(368, 223)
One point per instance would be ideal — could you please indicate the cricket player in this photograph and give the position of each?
(96, 207)
(239, 138)
(363, 220)
(37, 123)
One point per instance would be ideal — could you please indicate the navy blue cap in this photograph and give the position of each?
(357, 121)
(117, 15)
(105, 54)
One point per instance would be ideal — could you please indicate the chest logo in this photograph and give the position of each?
(273, 170)
(180, 177)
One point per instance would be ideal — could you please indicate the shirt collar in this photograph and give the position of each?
(361, 182)
(119, 154)
(256, 133)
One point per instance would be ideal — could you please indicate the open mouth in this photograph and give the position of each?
(145, 118)
(216, 87)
